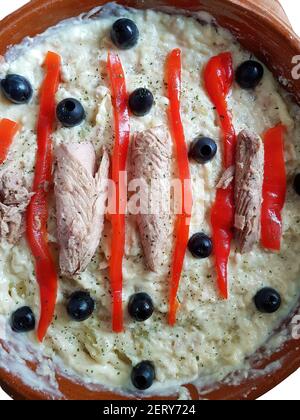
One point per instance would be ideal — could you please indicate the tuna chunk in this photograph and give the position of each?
(151, 153)
(14, 199)
(81, 195)
(249, 176)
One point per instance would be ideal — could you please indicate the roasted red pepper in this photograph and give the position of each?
(274, 188)
(119, 158)
(222, 219)
(8, 130)
(218, 76)
(182, 224)
(37, 213)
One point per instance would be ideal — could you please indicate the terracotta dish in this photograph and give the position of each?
(262, 27)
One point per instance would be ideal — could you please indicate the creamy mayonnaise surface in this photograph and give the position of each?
(212, 337)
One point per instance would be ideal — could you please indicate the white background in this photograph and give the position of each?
(290, 388)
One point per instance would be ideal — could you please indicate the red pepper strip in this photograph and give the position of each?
(119, 157)
(218, 77)
(183, 219)
(274, 188)
(222, 220)
(37, 213)
(8, 130)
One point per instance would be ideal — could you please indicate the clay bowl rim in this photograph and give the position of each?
(277, 22)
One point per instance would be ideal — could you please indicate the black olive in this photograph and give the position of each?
(203, 149)
(143, 375)
(297, 184)
(200, 245)
(267, 300)
(124, 34)
(140, 307)
(23, 320)
(70, 112)
(249, 74)
(16, 89)
(141, 102)
(80, 306)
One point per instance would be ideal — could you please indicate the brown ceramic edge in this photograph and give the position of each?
(281, 26)
(267, 8)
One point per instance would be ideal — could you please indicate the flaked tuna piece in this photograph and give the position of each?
(249, 176)
(227, 178)
(150, 163)
(14, 199)
(81, 195)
